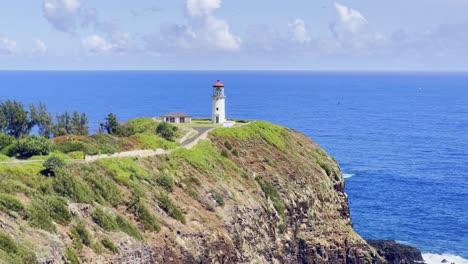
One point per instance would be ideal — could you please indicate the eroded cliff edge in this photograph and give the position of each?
(259, 193)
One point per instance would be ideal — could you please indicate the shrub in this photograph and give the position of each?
(7, 244)
(228, 145)
(111, 222)
(71, 256)
(105, 188)
(218, 198)
(30, 146)
(74, 188)
(166, 131)
(166, 182)
(235, 152)
(54, 163)
(39, 217)
(57, 209)
(81, 235)
(224, 153)
(145, 217)
(170, 208)
(107, 243)
(104, 219)
(128, 228)
(75, 236)
(15, 253)
(325, 167)
(10, 203)
(140, 125)
(5, 140)
(271, 193)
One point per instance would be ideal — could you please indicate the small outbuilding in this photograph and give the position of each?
(177, 118)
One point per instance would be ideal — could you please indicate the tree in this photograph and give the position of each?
(75, 123)
(42, 119)
(15, 118)
(30, 146)
(54, 163)
(83, 128)
(111, 126)
(166, 130)
(64, 125)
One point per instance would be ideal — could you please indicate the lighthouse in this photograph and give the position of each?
(219, 103)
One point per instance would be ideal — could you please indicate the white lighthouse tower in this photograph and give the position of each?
(219, 104)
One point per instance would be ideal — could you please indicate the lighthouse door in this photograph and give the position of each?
(217, 120)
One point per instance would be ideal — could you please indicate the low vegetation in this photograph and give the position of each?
(135, 196)
(109, 245)
(110, 221)
(271, 193)
(166, 203)
(13, 253)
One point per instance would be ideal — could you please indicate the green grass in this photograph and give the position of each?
(57, 209)
(271, 133)
(112, 222)
(13, 253)
(147, 220)
(272, 193)
(203, 156)
(71, 256)
(81, 236)
(74, 188)
(39, 217)
(104, 219)
(166, 182)
(105, 188)
(123, 170)
(9, 203)
(109, 245)
(4, 158)
(152, 141)
(166, 203)
(142, 125)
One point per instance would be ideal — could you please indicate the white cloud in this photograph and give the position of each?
(116, 42)
(8, 46)
(202, 32)
(197, 8)
(207, 30)
(62, 14)
(350, 21)
(96, 44)
(40, 47)
(299, 32)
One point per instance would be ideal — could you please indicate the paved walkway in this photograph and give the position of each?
(187, 142)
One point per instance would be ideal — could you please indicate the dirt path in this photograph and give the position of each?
(188, 143)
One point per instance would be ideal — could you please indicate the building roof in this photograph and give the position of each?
(176, 114)
(218, 84)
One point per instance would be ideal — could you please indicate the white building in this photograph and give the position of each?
(219, 104)
(177, 118)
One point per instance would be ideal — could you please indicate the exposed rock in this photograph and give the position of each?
(396, 253)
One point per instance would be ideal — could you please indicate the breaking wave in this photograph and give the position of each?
(347, 175)
(431, 258)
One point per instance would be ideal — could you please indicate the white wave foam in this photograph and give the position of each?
(347, 175)
(431, 258)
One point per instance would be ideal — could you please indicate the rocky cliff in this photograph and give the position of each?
(259, 193)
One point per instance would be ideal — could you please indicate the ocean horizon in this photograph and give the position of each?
(401, 138)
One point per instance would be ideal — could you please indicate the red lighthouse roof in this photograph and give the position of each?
(218, 84)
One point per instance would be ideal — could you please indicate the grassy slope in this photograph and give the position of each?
(138, 197)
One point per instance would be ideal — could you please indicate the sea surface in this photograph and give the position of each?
(401, 138)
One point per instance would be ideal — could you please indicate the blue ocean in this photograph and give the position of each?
(401, 138)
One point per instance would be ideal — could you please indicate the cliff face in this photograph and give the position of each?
(259, 193)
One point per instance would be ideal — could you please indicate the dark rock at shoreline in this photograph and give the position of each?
(396, 253)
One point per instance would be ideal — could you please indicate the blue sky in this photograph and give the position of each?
(234, 35)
